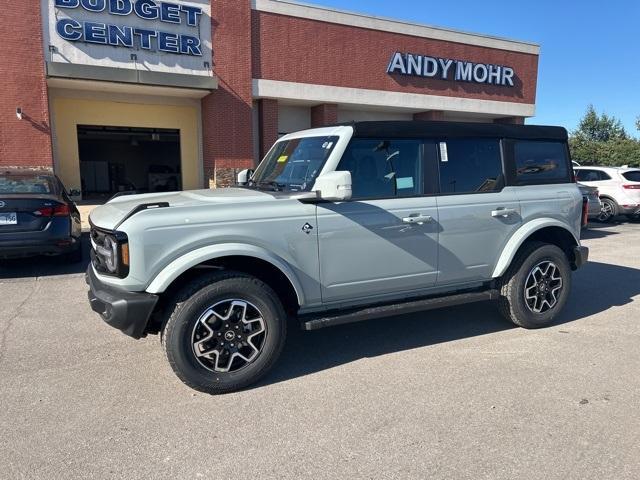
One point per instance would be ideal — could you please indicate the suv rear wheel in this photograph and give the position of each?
(224, 332)
(536, 286)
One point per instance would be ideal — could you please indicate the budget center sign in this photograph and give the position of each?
(171, 35)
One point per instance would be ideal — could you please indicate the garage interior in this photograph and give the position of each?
(128, 159)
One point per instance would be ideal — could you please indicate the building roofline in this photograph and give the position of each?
(362, 20)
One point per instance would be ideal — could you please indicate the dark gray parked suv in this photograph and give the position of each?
(342, 224)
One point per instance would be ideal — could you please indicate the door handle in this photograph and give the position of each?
(503, 212)
(418, 219)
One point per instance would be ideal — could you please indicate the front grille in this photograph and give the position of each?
(97, 239)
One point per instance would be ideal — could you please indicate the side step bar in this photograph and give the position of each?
(330, 319)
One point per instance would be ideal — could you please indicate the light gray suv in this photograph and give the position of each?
(337, 225)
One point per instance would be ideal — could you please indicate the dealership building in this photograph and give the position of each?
(153, 95)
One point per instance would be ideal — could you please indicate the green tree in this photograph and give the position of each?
(600, 128)
(602, 140)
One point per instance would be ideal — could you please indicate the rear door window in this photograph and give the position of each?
(590, 175)
(470, 166)
(584, 175)
(541, 162)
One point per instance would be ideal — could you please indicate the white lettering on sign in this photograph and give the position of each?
(72, 30)
(449, 69)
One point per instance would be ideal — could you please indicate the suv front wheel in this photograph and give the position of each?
(224, 332)
(609, 210)
(536, 286)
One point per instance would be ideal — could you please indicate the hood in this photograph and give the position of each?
(109, 215)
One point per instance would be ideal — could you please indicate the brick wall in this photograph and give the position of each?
(227, 113)
(324, 114)
(436, 115)
(26, 142)
(309, 51)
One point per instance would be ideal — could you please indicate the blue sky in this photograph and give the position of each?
(590, 49)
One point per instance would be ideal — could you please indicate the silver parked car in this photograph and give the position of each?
(337, 225)
(594, 205)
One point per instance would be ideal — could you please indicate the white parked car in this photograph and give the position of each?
(619, 189)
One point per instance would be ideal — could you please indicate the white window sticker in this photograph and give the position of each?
(444, 154)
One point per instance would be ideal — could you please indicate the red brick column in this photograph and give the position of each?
(323, 115)
(510, 120)
(26, 142)
(227, 120)
(268, 115)
(436, 115)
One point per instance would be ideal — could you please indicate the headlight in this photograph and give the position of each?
(111, 253)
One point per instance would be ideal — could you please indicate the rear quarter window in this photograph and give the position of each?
(633, 176)
(541, 162)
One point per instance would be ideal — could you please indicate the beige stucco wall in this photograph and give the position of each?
(68, 113)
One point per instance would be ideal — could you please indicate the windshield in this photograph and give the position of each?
(293, 165)
(12, 184)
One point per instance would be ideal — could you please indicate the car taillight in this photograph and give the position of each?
(585, 211)
(631, 187)
(57, 211)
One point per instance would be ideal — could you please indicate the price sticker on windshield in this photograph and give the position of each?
(283, 159)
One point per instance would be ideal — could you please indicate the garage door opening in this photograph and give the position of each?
(128, 159)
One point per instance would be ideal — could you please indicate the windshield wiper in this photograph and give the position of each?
(275, 186)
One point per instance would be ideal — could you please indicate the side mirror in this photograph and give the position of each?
(334, 186)
(243, 177)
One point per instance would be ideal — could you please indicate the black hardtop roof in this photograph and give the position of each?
(422, 129)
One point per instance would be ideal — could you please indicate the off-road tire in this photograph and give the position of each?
(184, 312)
(512, 304)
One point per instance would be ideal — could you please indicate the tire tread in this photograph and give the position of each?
(177, 304)
(507, 283)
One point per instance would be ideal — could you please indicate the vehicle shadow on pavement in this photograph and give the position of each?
(597, 231)
(45, 266)
(596, 288)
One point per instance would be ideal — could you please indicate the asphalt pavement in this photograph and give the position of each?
(450, 394)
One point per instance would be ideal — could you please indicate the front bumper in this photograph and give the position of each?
(129, 312)
(581, 255)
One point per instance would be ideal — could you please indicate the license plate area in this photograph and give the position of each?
(7, 218)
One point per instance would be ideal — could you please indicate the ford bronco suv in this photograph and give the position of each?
(337, 225)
